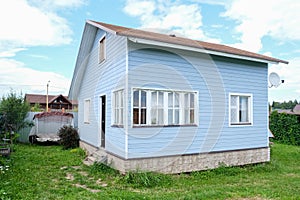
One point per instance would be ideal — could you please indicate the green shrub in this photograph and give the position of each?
(69, 137)
(285, 127)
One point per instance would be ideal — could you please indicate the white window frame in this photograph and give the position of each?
(250, 109)
(86, 110)
(118, 107)
(165, 107)
(102, 49)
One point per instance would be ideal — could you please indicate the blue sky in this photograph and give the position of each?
(39, 40)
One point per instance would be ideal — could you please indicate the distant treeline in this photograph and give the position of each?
(284, 105)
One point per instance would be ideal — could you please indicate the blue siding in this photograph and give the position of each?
(214, 78)
(103, 79)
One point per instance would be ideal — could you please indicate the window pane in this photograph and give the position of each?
(160, 116)
(153, 99)
(170, 100)
(117, 116)
(135, 116)
(121, 116)
(192, 100)
(233, 100)
(176, 100)
(143, 116)
(121, 98)
(176, 116)
(186, 116)
(192, 117)
(244, 109)
(186, 100)
(170, 116)
(116, 99)
(143, 98)
(233, 115)
(136, 98)
(153, 116)
(160, 99)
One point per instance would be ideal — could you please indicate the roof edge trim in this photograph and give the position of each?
(183, 47)
(100, 26)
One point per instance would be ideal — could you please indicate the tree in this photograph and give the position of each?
(13, 109)
(36, 108)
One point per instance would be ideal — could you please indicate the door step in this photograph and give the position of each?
(95, 158)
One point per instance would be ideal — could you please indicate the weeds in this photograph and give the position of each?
(99, 167)
(140, 179)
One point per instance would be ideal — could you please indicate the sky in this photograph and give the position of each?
(39, 39)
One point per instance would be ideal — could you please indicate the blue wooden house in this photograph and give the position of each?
(159, 102)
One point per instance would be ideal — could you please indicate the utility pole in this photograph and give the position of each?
(47, 97)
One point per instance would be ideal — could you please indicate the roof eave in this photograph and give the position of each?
(100, 26)
(202, 50)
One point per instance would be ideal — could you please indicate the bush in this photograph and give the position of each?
(69, 137)
(285, 127)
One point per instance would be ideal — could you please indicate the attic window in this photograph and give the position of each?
(102, 49)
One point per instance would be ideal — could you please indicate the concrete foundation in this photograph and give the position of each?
(182, 163)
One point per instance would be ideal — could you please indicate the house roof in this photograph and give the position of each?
(152, 38)
(296, 109)
(48, 114)
(41, 99)
(172, 39)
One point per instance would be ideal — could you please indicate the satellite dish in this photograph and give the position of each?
(274, 79)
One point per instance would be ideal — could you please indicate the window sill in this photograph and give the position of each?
(241, 124)
(163, 126)
(117, 126)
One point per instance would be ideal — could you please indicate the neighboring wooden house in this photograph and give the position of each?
(55, 102)
(158, 102)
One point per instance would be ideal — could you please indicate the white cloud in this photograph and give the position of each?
(278, 19)
(212, 2)
(139, 8)
(5, 53)
(289, 90)
(184, 19)
(32, 23)
(53, 5)
(25, 25)
(15, 75)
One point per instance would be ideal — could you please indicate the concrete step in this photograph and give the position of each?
(94, 158)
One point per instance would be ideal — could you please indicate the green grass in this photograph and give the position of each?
(48, 172)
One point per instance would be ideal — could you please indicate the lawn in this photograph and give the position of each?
(48, 172)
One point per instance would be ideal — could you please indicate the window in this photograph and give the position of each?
(102, 50)
(86, 111)
(167, 108)
(240, 112)
(118, 107)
